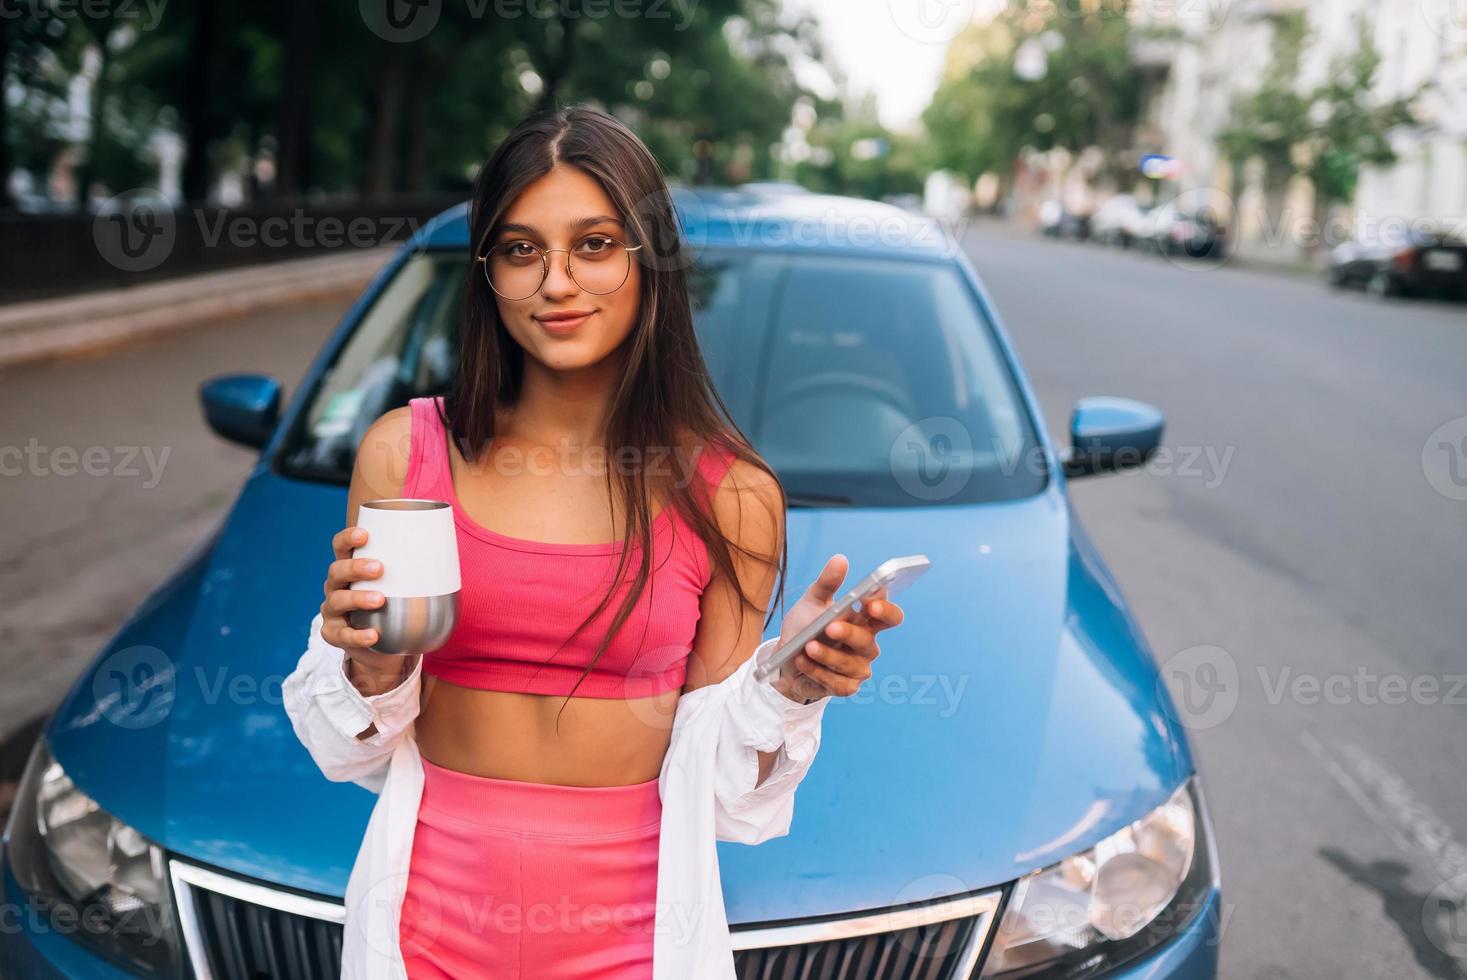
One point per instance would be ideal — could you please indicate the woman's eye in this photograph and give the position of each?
(515, 250)
(597, 245)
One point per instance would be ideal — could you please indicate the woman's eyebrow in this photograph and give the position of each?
(575, 226)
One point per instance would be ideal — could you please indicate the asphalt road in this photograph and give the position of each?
(1297, 563)
(108, 477)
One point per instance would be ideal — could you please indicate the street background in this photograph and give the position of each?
(1157, 196)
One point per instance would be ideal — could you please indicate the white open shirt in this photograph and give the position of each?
(706, 785)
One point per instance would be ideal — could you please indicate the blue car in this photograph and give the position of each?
(1010, 795)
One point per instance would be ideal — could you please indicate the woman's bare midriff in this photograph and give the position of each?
(600, 741)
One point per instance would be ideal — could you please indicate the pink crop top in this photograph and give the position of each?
(521, 599)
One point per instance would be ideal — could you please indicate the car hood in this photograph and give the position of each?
(1014, 718)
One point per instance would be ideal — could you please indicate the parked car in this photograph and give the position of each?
(1119, 221)
(773, 187)
(1012, 794)
(1058, 221)
(1418, 262)
(1187, 232)
(907, 202)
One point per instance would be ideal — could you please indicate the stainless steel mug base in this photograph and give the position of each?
(408, 625)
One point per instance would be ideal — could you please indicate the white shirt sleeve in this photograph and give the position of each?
(758, 718)
(327, 711)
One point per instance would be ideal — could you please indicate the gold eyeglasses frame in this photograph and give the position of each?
(545, 268)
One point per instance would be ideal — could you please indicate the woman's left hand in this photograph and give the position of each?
(840, 665)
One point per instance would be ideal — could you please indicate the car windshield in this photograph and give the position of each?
(863, 381)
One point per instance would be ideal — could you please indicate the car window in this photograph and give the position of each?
(866, 381)
(403, 346)
(881, 382)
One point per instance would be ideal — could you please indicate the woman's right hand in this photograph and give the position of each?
(377, 671)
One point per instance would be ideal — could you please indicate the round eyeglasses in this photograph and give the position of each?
(598, 264)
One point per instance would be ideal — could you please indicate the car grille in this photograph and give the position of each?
(942, 942)
(235, 929)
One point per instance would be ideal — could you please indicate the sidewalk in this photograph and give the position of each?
(96, 322)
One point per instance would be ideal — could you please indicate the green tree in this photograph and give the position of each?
(1352, 129)
(1326, 133)
(1040, 75)
(1268, 123)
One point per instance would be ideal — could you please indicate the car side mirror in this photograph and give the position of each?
(1109, 434)
(243, 408)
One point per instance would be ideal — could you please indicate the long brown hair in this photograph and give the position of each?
(666, 394)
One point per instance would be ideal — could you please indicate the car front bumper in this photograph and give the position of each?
(33, 949)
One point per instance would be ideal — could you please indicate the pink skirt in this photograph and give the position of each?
(513, 879)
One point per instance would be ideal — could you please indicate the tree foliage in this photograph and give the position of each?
(1326, 132)
(1041, 75)
(343, 109)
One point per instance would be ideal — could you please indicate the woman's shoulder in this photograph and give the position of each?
(709, 456)
(731, 478)
(385, 447)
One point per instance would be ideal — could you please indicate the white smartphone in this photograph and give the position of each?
(893, 575)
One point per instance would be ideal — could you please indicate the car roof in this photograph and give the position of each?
(767, 218)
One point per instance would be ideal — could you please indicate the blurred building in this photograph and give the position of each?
(1199, 61)
(1423, 47)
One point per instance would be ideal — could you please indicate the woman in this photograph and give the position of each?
(544, 817)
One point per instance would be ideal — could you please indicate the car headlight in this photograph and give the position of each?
(87, 873)
(1090, 912)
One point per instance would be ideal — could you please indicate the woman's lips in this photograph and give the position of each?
(563, 326)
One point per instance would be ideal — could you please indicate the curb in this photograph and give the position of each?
(101, 322)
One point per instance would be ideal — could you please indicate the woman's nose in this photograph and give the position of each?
(558, 281)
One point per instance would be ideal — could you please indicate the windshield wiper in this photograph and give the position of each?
(817, 500)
